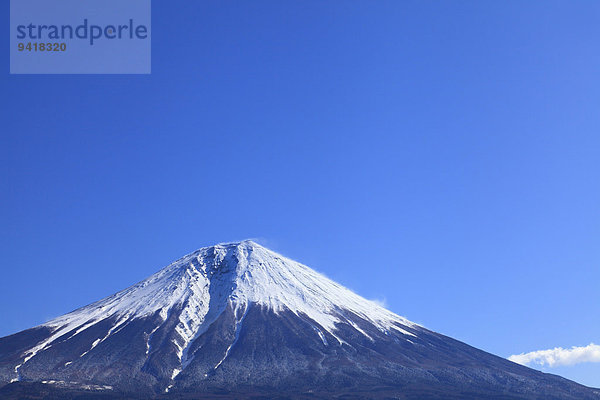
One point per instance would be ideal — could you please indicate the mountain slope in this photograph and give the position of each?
(238, 317)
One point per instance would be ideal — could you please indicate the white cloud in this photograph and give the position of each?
(559, 356)
(380, 302)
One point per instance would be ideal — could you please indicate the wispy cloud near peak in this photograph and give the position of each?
(380, 302)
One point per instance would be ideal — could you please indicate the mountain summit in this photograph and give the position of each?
(239, 320)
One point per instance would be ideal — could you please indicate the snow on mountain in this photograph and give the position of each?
(239, 273)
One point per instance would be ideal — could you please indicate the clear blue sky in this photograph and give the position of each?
(443, 156)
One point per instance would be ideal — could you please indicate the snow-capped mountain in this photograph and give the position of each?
(242, 319)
